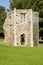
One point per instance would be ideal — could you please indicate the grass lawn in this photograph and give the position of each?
(1, 40)
(10, 55)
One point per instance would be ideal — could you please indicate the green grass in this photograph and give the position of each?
(10, 55)
(1, 40)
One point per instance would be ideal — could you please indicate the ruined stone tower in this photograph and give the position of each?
(21, 27)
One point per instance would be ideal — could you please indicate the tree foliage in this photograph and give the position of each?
(2, 19)
(36, 5)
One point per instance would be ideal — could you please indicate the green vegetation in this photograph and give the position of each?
(40, 45)
(2, 19)
(10, 55)
(1, 40)
(36, 5)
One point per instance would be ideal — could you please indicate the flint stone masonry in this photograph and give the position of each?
(21, 28)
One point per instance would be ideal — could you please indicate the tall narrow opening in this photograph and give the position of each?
(22, 39)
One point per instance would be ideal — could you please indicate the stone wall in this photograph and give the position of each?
(19, 22)
(35, 28)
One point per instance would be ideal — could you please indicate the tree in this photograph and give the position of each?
(2, 19)
(36, 5)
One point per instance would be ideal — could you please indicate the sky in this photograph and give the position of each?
(5, 3)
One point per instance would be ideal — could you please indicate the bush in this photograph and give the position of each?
(40, 20)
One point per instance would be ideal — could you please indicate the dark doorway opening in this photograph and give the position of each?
(22, 39)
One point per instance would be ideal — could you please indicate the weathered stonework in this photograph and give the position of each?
(21, 28)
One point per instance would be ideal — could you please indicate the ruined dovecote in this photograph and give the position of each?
(21, 27)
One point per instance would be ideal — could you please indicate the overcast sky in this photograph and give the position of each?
(5, 3)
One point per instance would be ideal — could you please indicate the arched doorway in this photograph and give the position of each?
(23, 39)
